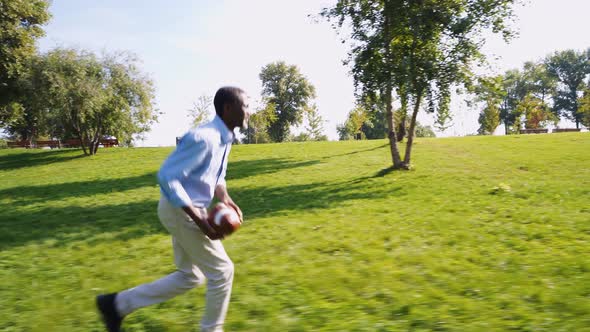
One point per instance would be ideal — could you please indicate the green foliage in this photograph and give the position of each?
(584, 109)
(352, 127)
(423, 131)
(536, 113)
(314, 124)
(201, 110)
(344, 131)
(376, 126)
(419, 49)
(68, 93)
(570, 68)
(516, 88)
(20, 27)
(259, 124)
(486, 234)
(489, 119)
(490, 92)
(290, 93)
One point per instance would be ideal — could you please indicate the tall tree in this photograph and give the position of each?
(375, 127)
(259, 123)
(535, 113)
(489, 92)
(515, 88)
(417, 49)
(315, 124)
(201, 110)
(570, 68)
(584, 109)
(20, 25)
(290, 93)
(27, 117)
(94, 97)
(539, 81)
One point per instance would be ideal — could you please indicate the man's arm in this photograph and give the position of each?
(201, 221)
(190, 154)
(223, 196)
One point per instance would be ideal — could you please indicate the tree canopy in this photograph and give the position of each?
(20, 26)
(417, 49)
(68, 93)
(290, 92)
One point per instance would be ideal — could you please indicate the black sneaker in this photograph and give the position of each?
(106, 306)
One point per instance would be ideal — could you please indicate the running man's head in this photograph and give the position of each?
(231, 105)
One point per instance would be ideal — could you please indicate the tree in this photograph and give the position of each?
(424, 131)
(375, 127)
(290, 93)
(258, 124)
(93, 97)
(570, 68)
(201, 110)
(344, 131)
(315, 124)
(20, 26)
(352, 127)
(539, 82)
(515, 89)
(417, 49)
(490, 92)
(489, 118)
(535, 112)
(27, 117)
(584, 108)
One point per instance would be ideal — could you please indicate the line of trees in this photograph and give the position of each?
(368, 122)
(67, 93)
(287, 101)
(540, 93)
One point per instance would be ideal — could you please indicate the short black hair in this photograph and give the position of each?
(226, 95)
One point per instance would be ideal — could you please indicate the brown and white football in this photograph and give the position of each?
(224, 219)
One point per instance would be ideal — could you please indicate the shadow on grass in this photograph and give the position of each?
(37, 158)
(356, 152)
(245, 168)
(74, 223)
(63, 226)
(25, 195)
(261, 202)
(22, 223)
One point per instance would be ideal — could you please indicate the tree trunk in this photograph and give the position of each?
(412, 129)
(395, 156)
(401, 133)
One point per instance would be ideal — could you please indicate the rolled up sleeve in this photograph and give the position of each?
(190, 154)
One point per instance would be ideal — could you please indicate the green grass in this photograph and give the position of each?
(486, 234)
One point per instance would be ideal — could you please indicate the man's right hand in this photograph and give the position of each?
(199, 216)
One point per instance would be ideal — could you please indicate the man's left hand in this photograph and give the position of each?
(235, 206)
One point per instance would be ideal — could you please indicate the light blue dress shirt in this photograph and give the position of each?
(199, 163)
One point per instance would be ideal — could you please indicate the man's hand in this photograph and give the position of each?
(235, 206)
(223, 197)
(200, 219)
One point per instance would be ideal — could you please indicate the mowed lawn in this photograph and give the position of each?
(486, 234)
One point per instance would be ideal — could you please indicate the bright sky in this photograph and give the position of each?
(192, 48)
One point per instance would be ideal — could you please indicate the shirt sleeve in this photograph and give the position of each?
(190, 154)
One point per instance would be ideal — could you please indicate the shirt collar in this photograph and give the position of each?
(227, 136)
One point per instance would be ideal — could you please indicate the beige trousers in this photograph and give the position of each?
(197, 258)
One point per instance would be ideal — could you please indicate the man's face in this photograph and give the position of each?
(242, 111)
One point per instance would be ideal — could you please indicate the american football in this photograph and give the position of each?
(224, 219)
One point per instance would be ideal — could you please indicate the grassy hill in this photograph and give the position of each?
(486, 234)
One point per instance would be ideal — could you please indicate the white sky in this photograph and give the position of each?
(192, 48)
